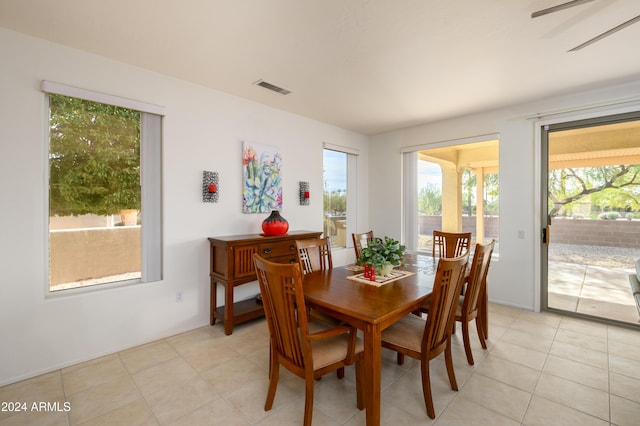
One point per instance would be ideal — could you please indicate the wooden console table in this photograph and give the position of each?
(231, 261)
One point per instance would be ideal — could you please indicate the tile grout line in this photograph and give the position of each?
(138, 388)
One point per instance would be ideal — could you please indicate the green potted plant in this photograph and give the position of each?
(382, 254)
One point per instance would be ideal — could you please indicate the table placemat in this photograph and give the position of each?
(380, 280)
(354, 268)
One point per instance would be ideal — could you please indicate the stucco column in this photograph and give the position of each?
(451, 198)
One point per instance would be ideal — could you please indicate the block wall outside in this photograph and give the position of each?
(426, 225)
(610, 233)
(80, 254)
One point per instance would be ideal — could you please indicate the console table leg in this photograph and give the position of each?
(213, 302)
(228, 309)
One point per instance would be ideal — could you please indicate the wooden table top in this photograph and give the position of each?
(369, 303)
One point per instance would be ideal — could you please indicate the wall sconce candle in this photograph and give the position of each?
(305, 194)
(210, 187)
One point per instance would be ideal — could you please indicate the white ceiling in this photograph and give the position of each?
(365, 65)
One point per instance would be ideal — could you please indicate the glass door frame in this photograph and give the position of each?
(546, 232)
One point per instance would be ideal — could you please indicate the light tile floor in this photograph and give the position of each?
(539, 369)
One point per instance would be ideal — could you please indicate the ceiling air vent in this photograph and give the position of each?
(272, 87)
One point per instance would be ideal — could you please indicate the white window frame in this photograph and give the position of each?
(150, 182)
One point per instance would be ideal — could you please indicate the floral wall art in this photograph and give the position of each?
(262, 179)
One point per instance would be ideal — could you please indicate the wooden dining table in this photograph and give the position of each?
(370, 308)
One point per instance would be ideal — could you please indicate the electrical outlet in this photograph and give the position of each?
(179, 296)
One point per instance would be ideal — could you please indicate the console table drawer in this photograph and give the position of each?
(277, 249)
(284, 259)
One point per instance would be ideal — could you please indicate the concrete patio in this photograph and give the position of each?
(593, 290)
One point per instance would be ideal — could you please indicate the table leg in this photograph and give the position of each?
(213, 302)
(228, 308)
(372, 365)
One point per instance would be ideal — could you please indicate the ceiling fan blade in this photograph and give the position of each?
(559, 7)
(607, 33)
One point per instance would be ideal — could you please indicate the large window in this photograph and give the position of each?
(339, 201)
(104, 191)
(456, 189)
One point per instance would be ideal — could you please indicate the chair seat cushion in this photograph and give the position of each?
(328, 351)
(406, 333)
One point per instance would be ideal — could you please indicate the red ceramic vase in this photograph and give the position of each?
(275, 224)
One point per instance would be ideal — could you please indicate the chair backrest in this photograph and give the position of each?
(284, 308)
(450, 244)
(360, 241)
(314, 255)
(444, 300)
(477, 276)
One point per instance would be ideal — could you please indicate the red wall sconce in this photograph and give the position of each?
(210, 187)
(305, 194)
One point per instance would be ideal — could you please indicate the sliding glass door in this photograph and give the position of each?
(591, 216)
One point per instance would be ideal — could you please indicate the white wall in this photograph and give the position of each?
(203, 130)
(514, 279)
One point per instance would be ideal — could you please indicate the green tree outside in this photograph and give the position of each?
(335, 201)
(94, 157)
(606, 188)
(430, 200)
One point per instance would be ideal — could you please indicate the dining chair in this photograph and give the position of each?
(306, 354)
(425, 340)
(469, 305)
(450, 244)
(314, 254)
(360, 241)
